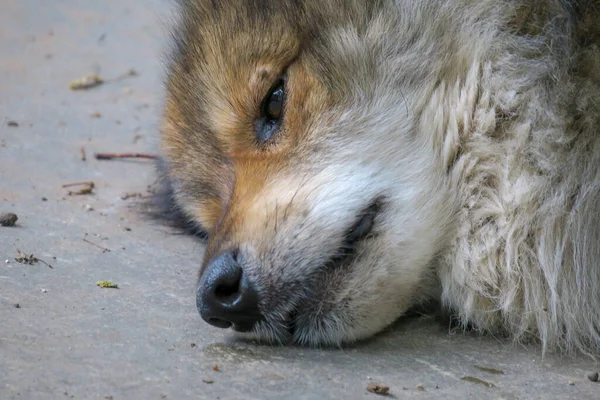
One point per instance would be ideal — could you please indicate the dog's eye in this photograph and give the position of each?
(271, 112)
(274, 104)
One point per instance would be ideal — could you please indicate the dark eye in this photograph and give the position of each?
(271, 112)
(274, 104)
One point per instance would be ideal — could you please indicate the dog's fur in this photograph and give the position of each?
(474, 127)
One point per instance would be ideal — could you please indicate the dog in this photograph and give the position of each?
(347, 161)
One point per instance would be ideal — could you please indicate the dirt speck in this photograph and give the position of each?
(107, 284)
(129, 195)
(493, 371)
(12, 124)
(473, 379)
(593, 376)
(215, 367)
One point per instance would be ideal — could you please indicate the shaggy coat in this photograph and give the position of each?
(426, 150)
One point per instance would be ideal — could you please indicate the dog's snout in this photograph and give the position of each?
(226, 297)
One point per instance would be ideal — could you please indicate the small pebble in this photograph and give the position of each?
(88, 208)
(14, 124)
(44, 199)
(8, 219)
(378, 389)
(593, 376)
(421, 388)
(17, 305)
(87, 82)
(6, 261)
(44, 290)
(571, 383)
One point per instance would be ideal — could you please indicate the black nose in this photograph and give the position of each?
(225, 295)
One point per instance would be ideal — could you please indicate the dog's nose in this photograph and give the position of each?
(226, 296)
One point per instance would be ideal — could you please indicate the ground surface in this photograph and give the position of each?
(68, 338)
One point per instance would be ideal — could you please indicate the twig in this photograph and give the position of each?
(110, 156)
(130, 73)
(82, 151)
(87, 183)
(29, 259)
(104, 249)
(87, 188)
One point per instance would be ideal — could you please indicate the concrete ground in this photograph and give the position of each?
(61, 336)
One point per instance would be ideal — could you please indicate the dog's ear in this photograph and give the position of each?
(162, 207)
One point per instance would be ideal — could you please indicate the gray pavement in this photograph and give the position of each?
(68, 338)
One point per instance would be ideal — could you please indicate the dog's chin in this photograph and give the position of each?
(299, 331)
(270, 333)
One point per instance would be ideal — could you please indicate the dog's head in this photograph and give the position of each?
(291, 137)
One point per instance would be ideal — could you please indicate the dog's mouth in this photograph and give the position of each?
(360, 231)
(357, 233)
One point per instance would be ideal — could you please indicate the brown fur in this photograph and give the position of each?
(463, 120)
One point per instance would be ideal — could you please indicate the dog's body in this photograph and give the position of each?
(357, 158)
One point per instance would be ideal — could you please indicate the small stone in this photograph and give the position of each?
(421, 388)
(571, 383)
(207, 381)
(192, 345)
(17, 305)
(7, 261)
(44, 290)
(88, 207)
(127, 229)
(8, 219)
(87, 82)
(215, 368)
(378, 389)
(44, 199)
(13, 124)
(593, 376)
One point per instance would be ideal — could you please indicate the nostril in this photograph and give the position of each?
(227, 293)
(227, 287)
